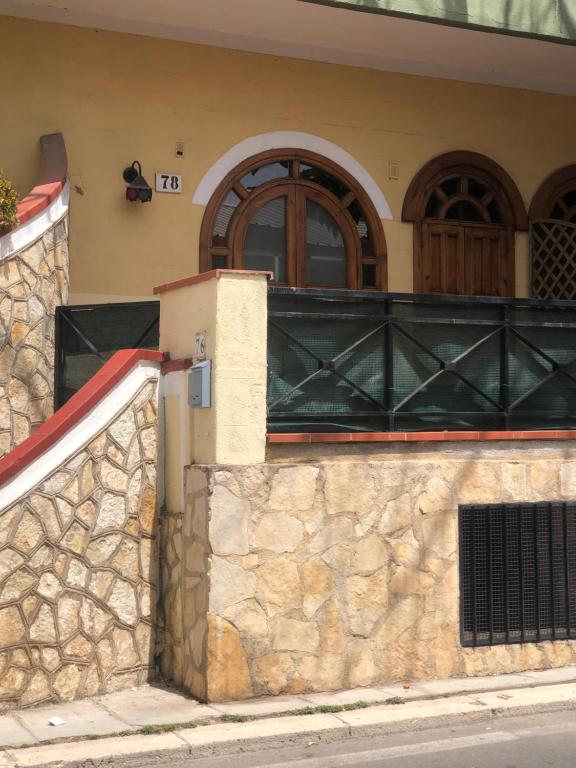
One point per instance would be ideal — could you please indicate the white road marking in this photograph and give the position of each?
(391, 753)
(427, 747)
(543, 730)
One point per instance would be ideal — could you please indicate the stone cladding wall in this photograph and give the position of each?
(78, 565)
(33, 282)
(185, 560)
(341, 570)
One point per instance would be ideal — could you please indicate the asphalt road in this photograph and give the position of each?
(530, 741)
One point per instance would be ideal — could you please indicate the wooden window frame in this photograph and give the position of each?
(553, 239)
(500, 189)
(551, 191)
(296, 190)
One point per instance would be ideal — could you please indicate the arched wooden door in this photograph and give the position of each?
(311, 241)
(465, 212)
(301, 217)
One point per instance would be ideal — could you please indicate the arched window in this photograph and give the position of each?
(298, 215)
(553, 236)
(465, 210)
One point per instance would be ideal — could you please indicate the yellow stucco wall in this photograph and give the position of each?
(230, 311)
(118, 98)
(184, 313)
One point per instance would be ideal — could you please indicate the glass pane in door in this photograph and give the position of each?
(222, 218)
(258, 176)
(325, 249)
(265, 241)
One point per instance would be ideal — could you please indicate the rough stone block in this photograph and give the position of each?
(229, 523)
(229, 584)
(278, 585)
(277, 532)
(293, 489)
(227, 673)
(367, 601)
(350, 487)
(292, 635)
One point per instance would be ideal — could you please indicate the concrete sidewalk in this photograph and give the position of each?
(275, 720)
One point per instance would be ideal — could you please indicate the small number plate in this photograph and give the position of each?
(169, 182)
(200, 349)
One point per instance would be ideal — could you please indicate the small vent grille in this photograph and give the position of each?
(517, 572)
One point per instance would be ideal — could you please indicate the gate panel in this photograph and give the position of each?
(87, 335)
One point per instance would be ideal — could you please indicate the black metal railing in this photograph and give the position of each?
(517, 572)
(87, 335)
(370, 361)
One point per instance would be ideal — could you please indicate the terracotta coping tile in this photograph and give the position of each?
(419, 437)
(330, 437)
(171, 366)
(296, 437)
(78, 406)
(213, 274)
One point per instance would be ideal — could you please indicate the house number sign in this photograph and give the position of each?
(169, 182)
(200, 347)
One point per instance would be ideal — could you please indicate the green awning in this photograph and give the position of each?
(552, 20)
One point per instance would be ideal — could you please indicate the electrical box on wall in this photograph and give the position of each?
(199, 385)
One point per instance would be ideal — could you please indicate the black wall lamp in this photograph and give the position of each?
(138, 189)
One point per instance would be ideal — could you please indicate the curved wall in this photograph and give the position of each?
(78, 532)
(34, 280)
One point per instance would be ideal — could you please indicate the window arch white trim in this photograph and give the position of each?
(289, 140)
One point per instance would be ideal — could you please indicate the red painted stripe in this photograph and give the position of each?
(171, 366)
(76, 408)
(416, 437)
(37, 200)
(203, 276)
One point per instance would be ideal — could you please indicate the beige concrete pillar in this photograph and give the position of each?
(229, 307)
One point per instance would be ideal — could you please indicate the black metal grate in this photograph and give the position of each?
(346, 361)
(87, 335)
(517, 572)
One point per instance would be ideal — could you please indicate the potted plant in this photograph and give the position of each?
(8, 205)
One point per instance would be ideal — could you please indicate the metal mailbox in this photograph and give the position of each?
(199, 385)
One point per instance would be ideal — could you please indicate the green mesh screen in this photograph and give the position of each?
(377, 362)
(86, 336)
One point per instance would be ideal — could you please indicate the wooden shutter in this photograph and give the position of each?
(463, 259)
(488, 270)
(441, 259)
